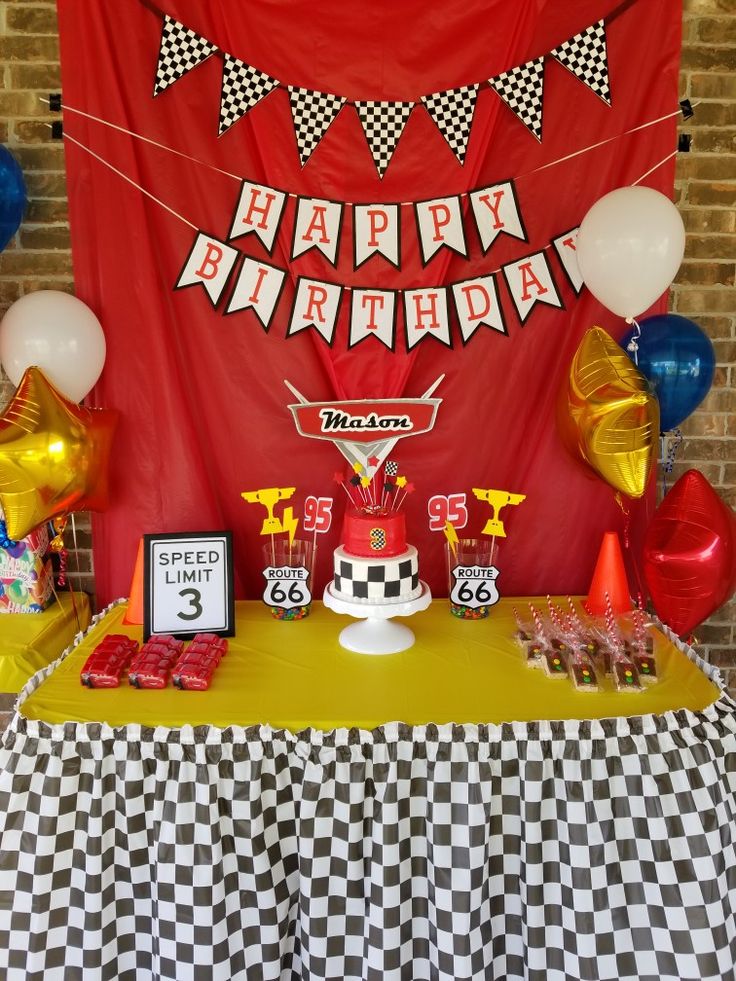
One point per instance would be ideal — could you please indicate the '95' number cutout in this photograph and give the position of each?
(317, 514)
(452, 508)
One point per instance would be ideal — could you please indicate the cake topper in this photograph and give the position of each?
(365, 430)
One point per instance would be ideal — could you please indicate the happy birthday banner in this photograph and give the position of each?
(383, 122)
(257, 285)
(374, 312)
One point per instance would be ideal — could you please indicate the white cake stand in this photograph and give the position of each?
(375, 633)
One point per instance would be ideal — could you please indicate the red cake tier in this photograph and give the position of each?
(374, 534)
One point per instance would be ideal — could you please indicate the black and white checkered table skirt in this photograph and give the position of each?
(573, 850)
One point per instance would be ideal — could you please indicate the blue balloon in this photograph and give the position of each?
(678, 359)
(12, 196)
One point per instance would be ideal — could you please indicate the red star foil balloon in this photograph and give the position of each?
(608, 415)
(690, 553)
(54, 455)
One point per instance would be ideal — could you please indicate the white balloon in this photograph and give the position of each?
(57, 333)
(629, 248)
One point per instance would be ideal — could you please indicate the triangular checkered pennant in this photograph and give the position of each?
(313, 113)
(452, 112)
(383, 124)
(242, 88)
(521, 89)
(181, 50)
(585, 56)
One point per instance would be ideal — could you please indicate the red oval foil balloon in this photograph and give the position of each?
(690, 553)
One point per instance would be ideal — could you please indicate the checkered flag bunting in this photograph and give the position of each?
(313, 113)
(585, 56)
(452, 112)
(521, 89)
(383, 124)
(181, 50)
(242, 88)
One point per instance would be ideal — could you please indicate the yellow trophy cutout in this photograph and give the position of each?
(497, 499)
(269, 497)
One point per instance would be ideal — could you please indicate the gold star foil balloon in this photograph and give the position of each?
(54, 455)
(608, 414)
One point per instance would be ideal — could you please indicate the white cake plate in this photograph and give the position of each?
(375, 633)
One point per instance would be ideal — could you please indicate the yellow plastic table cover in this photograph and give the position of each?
(295, 675)
(30, 641)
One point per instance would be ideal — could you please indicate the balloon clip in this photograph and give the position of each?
(684, 142)
(54, 101)
(687, 110)
(57, 130)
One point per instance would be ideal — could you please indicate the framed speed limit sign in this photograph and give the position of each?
(188, 584)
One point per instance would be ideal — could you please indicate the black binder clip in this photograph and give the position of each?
(57, 130)
(54, 101)
(684, 140)
(687, 110)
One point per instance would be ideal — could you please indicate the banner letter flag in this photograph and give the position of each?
(259, 210)
(258, 288)
(317, 226)
(383, 123)
(476, 302)
(242, 88)
(530, 281)
(316, 304)
(496, 212)
(585, 56)
(313, 114)
(452, 112)
(565, 247)
(521, 89)
(376, 229)
(440, 224)
(373, 314)
(209, 264)
(180, 51)
(425, 315)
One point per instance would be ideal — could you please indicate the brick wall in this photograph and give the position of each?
(40, 258)
(704, 289)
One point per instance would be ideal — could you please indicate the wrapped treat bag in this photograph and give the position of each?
(26, 576)
(528, 640)
(641, 648)
(623, 669)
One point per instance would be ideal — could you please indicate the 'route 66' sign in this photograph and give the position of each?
(286, 586)
(474, 586)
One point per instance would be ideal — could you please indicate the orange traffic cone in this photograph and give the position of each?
(134, 613)
(609, 577)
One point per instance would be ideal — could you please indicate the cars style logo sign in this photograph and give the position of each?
(365, 431)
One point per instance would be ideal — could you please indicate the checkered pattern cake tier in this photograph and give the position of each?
(379, 580)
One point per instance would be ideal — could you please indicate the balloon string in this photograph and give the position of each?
(627, 518)
(633, 344)
(673, 444)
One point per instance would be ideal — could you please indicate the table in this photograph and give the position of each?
(29, 641)
(134, 846)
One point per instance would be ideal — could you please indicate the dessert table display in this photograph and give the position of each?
(30, 641)
(445, 812)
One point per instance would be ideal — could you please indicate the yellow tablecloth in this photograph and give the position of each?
(295, 675)
(30, 641)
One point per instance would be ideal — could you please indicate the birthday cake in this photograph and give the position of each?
(374, 564)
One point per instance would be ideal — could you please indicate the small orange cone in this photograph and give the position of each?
(609, 577)
(134, 613)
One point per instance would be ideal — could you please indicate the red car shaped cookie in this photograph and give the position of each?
(151, 666)
(105, 665)
(194, 669)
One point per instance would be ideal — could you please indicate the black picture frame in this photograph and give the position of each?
(153, 594)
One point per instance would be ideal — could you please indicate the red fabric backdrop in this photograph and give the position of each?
(201, 395)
